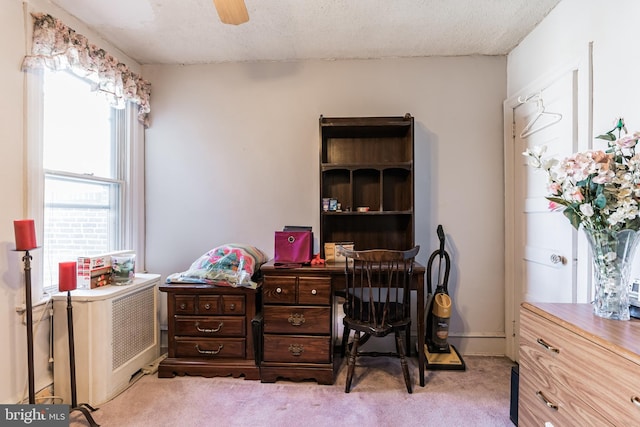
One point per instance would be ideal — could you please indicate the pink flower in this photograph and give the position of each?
(577, 195)
(555, 188)
(627, 141)
(553, 206)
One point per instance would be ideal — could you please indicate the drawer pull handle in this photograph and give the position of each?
(183, 306)
(207, 306)
(546, 401)
(209, 331)
(296, 319)
(556, 259)
(635, 400)
(278, 290)
(314, 292)
(210, 352)
(547, 345)
(296, 349)
(232, 306)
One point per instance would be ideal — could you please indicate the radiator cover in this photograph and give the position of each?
(116, 333)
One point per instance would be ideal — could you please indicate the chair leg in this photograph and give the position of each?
(345, 341)
(352, 361)
(403, 361)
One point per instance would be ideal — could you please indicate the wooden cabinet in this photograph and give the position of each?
(210, 331)
(367, 162)
(576, 368)
(297, 325)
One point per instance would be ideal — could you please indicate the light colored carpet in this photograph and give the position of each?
(478, 396)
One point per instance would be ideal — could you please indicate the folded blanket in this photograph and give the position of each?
(232, 264)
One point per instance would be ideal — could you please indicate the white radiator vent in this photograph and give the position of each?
(116, 334)
(133, 322)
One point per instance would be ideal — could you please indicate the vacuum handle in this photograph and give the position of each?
(440, 232)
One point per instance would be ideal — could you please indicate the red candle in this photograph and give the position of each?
(25, 231)
(67, 279)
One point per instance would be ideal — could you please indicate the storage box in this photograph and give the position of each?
(331, 249)
(95, 271)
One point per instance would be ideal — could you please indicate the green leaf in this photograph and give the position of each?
(609, 136)
(558, 200)
(600, 201)
(573, 217)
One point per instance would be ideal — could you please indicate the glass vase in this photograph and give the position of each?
(612, 253)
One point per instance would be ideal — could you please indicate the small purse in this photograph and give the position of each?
(293, 247)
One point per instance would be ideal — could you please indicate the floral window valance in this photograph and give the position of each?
(59, 47)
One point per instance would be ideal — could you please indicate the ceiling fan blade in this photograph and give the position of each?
(232, 11)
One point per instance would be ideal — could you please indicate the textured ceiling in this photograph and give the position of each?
(189, 31)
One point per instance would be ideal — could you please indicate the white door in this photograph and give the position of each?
(545, 272)
(541, 245)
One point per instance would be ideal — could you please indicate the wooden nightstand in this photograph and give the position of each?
(210, 331)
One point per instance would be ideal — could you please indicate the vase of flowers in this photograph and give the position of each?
(599, 192)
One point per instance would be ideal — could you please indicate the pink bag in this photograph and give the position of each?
(293, 247)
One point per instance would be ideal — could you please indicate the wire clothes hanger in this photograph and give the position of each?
(529, 129)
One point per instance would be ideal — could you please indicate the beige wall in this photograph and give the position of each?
(233, 152)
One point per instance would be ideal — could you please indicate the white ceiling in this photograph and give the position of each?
(189, 31)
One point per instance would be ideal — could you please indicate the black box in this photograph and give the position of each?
(515, 381)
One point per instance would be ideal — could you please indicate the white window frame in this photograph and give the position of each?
(132, 158)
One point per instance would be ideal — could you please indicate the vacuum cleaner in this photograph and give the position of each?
(439, 354)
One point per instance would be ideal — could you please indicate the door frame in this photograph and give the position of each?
(583, 66)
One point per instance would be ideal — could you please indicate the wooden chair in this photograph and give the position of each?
(377, 302)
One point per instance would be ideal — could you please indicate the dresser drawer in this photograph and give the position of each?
(556, 405)
(314, 290)
(297, 319)
(297, 349)
(206, 326)
(216, 348)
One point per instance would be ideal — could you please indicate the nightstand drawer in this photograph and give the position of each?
(298, 349)
(204, 326)
(297, 319)
(212, 348)
(185, 304)
(221, 304)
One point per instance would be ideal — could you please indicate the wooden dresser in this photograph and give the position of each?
(297, 328)
(576, 368)
(210, 331)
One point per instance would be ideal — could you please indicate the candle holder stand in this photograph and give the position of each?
(83, 407)
(26, 259)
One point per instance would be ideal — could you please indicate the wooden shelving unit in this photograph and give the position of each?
(368, 162)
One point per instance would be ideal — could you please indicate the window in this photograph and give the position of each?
(83, 185)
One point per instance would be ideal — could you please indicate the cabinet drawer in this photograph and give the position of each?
(279, 289)
(602, 379)
(207, 326)
(295, 348)
(297, 319)
(535, 406)
(314, 290)
(185, 304)
(215, 348)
